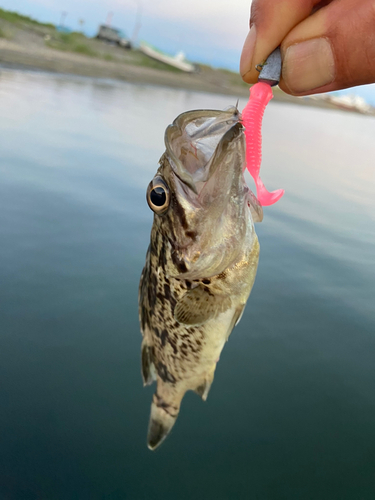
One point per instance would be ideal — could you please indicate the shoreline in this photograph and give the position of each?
(53, 60)
(28, 48)
(214, 81)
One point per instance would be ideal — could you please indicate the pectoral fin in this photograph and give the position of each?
(199, 305)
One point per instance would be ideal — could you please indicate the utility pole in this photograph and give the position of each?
(109, 19)
(63, 17)
(137, 24)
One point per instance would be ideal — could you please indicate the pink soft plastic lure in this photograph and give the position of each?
(252, 115)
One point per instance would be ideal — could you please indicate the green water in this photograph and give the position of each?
(291, 414)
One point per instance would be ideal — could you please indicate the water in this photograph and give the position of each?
(291, 412)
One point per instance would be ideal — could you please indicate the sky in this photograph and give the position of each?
(367, 92)
(207, 31)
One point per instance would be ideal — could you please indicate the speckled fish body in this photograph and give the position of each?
(201, 262)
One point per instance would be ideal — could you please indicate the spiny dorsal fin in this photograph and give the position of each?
(148, 366)
(199, 305)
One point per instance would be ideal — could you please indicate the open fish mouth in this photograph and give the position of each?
(199, 142)
(205, 150)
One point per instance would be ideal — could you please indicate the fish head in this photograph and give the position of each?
(202, 205)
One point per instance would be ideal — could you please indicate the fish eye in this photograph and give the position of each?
(158, 195)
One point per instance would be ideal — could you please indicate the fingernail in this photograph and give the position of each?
(308, 65)
(248, 52)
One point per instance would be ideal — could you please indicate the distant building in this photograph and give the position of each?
(113, 35)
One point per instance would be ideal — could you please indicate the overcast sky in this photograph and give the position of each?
(210, 31)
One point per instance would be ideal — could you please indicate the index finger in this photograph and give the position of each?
(270, 22)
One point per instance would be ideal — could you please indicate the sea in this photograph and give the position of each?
(291, 413)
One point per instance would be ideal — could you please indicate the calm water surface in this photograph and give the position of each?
(291, 414)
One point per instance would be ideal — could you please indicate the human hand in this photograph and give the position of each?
(325, 45)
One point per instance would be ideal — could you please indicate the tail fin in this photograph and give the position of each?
(162, 419)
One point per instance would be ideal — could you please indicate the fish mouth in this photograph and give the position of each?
(206, 153)
(201, 142)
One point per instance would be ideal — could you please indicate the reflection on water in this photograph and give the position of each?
(291, 412)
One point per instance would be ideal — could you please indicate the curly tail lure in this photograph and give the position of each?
(252, 116)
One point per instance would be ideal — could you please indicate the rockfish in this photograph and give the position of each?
(201, 262)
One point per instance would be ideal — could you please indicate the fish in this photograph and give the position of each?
(201, 262)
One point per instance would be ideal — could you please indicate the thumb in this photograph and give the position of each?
(331, 50)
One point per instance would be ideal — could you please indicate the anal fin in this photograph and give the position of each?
(203, 389)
